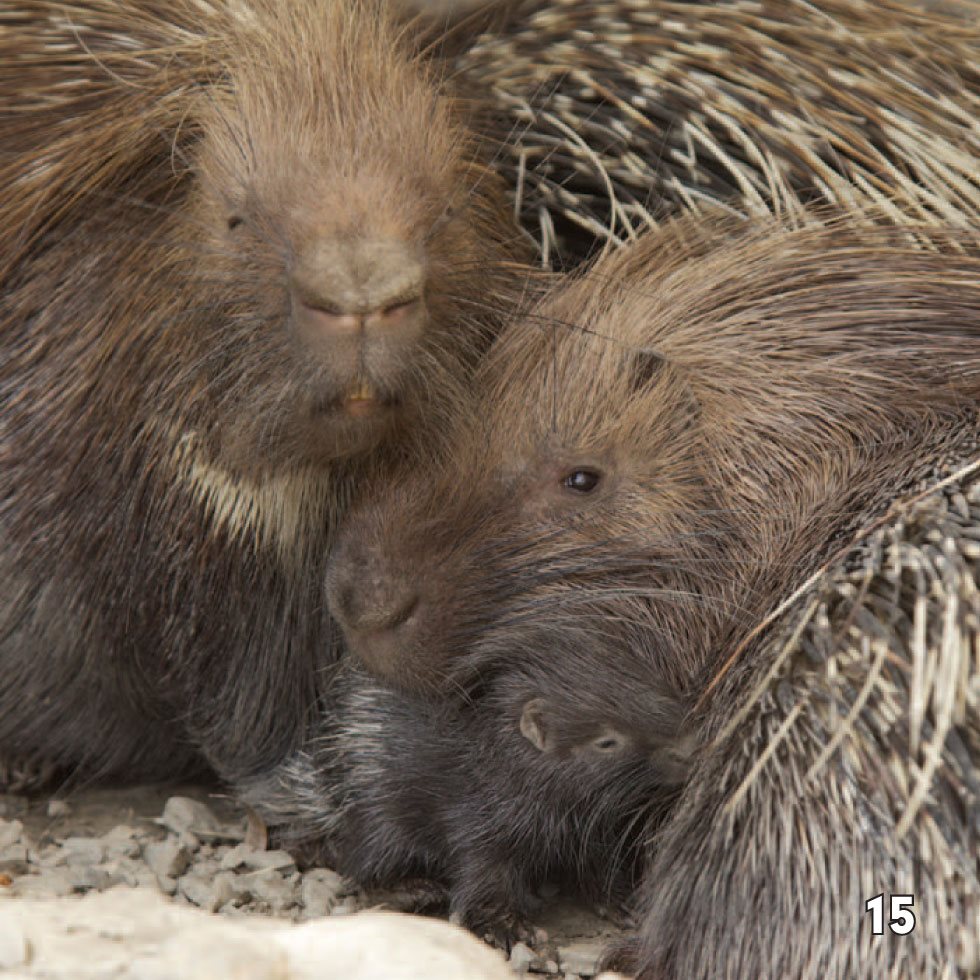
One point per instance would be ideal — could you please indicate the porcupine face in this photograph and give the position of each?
(659, 448)
(342, 221)
(573, 508)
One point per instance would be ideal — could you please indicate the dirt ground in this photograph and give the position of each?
(194, 844)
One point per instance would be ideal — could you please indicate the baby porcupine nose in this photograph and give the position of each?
(348, 287)
(375, 606)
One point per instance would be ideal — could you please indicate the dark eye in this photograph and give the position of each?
(608, 743)
(581, 481)
(234, 221)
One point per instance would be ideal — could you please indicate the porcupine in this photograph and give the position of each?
(696, 425)
(843, 763)
(612, 114)
(477, 808)
(240, 245)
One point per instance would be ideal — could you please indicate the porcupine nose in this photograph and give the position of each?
(345, 288)
(376, 606)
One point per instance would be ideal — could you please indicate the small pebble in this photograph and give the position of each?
(270, 887)
(83, 850)
(13, 857)
(87, 878)
(319, 892)
(5, 880)
(166, 884)
(122, 842)
(50, 883)
(521, 957)
(581, 957)
(274, 860)
(196, 890)
(11, 832)
(181, 813)
(58, 808)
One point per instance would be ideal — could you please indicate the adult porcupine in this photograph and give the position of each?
(612, 113)
(844, 763)
(697, 424)
(240, 252)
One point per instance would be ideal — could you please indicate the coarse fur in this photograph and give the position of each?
(547, 776)
(665, 449)
(613, 114)
(736, 399)
(844, 763)
(199, 203)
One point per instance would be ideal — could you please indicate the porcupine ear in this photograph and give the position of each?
(534, 726)
(643, 367)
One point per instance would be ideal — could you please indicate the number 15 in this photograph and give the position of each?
(902, 921)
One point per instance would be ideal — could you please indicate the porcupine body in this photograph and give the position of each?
(235, 272)
(770, 454)
(849, 739)
(612, 114)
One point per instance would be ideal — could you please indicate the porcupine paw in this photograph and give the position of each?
(25, 775)
(503, 928)
(419, 895)
(618, 914)
(621, 956)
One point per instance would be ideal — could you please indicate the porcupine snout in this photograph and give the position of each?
(368, 288)
(375, 603)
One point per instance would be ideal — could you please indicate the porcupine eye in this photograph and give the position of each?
(234, 221)
(581, 481)
(608, 743)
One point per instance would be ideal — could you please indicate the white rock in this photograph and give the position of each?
(580, 957)
(270, 887)
(242, 855)
(11, 832)
(182, 813)
(50, 883)
(122, 842)
(83, 850)
(521, 958)
(166, 858)
(135, 934)
(320, 891)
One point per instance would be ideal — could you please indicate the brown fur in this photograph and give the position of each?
(175, 180)
(747, 398)
(744, 393)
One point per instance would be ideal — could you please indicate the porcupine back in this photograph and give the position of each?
(612, 114)
(848, 737)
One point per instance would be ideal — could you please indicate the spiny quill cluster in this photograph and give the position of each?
(612, 113)
(851, 741)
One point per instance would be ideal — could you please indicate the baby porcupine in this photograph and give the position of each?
(241, 246)
(549, 775)
(611, 114)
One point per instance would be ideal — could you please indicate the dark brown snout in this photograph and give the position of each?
(378, 607)
(358, 288)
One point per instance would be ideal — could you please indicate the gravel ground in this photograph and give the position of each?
(199, 849)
